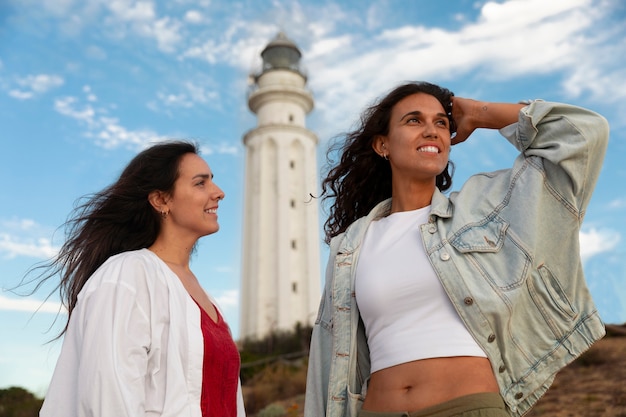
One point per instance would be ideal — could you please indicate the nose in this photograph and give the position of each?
(430, 130)
(220, 193)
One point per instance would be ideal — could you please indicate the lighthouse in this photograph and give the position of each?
(280, 283)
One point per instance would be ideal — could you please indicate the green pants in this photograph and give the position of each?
(488, 404)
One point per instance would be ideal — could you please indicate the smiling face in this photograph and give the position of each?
(194, 201)
(418, 142)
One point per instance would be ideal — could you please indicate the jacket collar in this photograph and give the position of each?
(353, 236)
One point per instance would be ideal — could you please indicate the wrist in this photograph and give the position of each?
(497, 115)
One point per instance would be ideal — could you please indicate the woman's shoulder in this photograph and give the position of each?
(353, 234)
(128, 275)
(129, 268)
(139, 257)
(138, 254)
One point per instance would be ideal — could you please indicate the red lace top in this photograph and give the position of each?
(220, 370)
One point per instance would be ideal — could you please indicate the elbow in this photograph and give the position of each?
(600, 140)
(603, 130)
(597, 131)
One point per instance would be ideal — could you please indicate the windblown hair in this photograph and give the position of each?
(362, 178)
(117, 219)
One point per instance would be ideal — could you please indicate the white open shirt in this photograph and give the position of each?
(133, 347)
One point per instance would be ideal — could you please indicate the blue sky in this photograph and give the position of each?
(85, 84)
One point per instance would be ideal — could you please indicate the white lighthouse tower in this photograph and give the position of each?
(280, 283)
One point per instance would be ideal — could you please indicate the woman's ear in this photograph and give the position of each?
(379, 146)
(158, 200)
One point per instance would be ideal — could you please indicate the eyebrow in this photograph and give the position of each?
(419, 113)
(204, 176)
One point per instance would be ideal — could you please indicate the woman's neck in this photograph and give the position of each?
(172, 253)
(411, 196)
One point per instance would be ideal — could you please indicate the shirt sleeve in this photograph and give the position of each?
(569, 141)
(105, 353)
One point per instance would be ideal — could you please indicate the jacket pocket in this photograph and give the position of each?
(491, 250)
(324, 315)
(551, 301)
(353, 403)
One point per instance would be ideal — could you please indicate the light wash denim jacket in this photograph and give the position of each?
(505, 248)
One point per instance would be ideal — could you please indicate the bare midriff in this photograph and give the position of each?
(419, 384)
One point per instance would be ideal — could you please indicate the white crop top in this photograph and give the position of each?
(407, 313)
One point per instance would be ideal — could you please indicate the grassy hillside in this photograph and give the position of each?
(592, 386)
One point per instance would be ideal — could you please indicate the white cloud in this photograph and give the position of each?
(40, 83)
(32, 85)
(30, 305)
(19, 224)
(194, 17)
(239, 45)
(594, 241)
(222, 149)
(208, 52)
(95, 52)
(142, 19)
(514, 14)
(67, 107)
(24, 237)
(175, 100)
(201, 94)
(132, 10)
(618, 203)
(508, 40)
(110, 134)
(329, 46)
(21, 95)
(117, 18)
(12, 246)
(228, 299)
(193, 93)
(166, 31)
(90, 96)
(106, 131)
(225, 269)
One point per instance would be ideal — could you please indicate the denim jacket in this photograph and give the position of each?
(505, 248)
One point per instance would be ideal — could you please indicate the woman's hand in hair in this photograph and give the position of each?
(464, 113)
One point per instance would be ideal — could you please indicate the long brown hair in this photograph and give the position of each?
(117, 219)
(362, 178)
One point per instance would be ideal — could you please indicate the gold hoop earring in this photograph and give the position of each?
(164, 214)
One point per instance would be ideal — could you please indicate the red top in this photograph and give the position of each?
(220, 370)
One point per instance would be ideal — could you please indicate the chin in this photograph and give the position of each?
(210, 231)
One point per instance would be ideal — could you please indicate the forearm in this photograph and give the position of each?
(495, 115)
(470, 115)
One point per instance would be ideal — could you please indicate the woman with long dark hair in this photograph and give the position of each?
(142, 337)
(467, 304)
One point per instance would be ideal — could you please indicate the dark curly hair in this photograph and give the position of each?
(362, 178)
(117, 219)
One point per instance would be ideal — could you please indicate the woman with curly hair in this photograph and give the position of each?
(467, 304)
(142, 337)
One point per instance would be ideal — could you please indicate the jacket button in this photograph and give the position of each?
(491, 338)
(445, 256)
(468, 301)
(502, 368)
(432, 229)
(518, 396)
